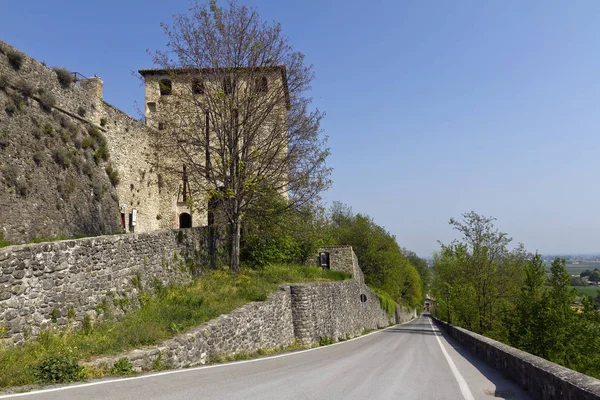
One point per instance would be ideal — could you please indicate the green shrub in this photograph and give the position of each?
(87, 169)
(65, 78)
(86, 142)
(4, 242)
(37, 158)
(18, 100)
(4, 82)
(48, 129)
(11, 174)
(47, 101)
(87, 325)
(10, 109)
(4, 141)
(325, 340)
(61, 157)
(122, 367)
(15, 59)
(25, 87)
(101, 154)
(58, 369)
(113, 175)
(385, 300)
(21, 188)
(77, 141)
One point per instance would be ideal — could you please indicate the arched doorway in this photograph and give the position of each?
(185, 220)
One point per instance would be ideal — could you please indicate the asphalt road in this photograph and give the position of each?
(411, 361)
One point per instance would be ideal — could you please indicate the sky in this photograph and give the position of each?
(433, 108)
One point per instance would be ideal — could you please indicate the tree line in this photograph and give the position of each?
(509, 295)
(273, 234)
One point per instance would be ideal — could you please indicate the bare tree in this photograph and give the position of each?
(234, 111)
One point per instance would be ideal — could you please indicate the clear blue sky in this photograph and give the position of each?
(434, 108)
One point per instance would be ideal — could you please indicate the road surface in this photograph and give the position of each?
(413, 361)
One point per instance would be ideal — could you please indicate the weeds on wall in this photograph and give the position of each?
(386, 301)
(15, 59)
(172, 310)
(4, 82)
(326, 340)
(46, 100)
(122, 367)
(113, 175)
(4, 243)
(64, 76)
(26, 88)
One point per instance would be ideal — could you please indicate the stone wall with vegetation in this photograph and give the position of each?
(544, 380)
(334, 310)
(59, 284)
(56, 177)
(304, 314)
(69, 161)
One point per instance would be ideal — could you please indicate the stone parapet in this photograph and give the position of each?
(544, 380)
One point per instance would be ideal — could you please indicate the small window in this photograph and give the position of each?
(261, 85)
(152, 106)
(161, 126)
(228, 85)
(198, 86)
(166, 87)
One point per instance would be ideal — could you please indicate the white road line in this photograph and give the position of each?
(180, 371)
(464, 388)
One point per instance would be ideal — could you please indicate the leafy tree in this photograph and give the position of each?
(379, 255)
(595, 276)
(587, 272)
(576, 281)
(422, 268)
(237, 114)
(274, 234)
(527, 326)
(559, 318)
(481, 274)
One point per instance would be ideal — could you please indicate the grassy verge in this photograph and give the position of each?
(170, 311)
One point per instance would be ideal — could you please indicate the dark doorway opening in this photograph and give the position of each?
(185, 220)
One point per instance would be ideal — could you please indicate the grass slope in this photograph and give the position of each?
(170, 311)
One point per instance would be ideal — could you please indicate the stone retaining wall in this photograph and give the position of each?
(543, 379)
(334, 310)
(57, 283)
(297, 312)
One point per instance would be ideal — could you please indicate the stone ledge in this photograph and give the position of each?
(543, 379)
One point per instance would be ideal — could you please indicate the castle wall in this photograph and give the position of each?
(41, 195)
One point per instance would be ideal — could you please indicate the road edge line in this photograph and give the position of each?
(191, 369)
(462, 384)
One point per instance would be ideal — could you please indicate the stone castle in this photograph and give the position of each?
(72, 164)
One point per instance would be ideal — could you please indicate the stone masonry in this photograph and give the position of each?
(301, 313)
(56, 284)
(55, 198)
(543, 379)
